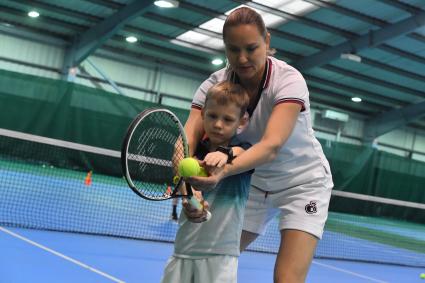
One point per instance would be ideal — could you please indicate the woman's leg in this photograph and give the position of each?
(246, 239)
(294, 257)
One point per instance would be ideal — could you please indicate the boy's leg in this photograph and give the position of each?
(178, 270)
(294, 257)
(216, 269)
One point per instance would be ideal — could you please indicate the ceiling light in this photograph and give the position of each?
(217, 61)
(33, 14)
(167, 3)
(352, 57)
(131, 39)
(356, 99)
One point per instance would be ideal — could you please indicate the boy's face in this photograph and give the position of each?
(221, 121)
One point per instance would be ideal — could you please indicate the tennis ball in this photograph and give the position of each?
(189, 167)
(202, 172)
(422, 275)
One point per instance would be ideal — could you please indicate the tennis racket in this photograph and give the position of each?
(153, 146)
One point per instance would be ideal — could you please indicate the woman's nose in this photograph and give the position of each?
(242, 58)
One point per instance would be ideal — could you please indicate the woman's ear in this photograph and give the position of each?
(268, 40)
(243, 122)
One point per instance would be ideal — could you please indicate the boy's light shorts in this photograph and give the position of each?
(303, 207)
(215, 269)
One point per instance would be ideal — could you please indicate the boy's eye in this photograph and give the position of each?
(251, 48)
(212, 116)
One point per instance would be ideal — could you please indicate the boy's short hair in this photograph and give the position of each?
(228, 92)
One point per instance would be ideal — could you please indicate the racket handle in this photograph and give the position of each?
(195, 203)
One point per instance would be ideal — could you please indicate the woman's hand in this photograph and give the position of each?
(207, 184)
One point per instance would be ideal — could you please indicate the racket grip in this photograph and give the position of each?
(195, 203)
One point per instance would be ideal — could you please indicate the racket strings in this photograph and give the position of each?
(154, 151)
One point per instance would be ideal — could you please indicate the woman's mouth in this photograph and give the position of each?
(244, 69)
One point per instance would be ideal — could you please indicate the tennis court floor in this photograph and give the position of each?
(44, 256)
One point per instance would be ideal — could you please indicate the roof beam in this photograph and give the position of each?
(91, 39)
(293, 17)
(365, 18)
(400, 5)
(371, 39)
(393, 119)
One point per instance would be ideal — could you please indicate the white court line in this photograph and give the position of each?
(61, 255)
(349, 272)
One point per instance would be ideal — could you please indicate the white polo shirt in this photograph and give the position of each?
(300, 159)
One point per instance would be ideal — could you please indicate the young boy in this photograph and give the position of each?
(208, 251)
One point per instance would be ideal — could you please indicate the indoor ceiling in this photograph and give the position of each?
(369, 49)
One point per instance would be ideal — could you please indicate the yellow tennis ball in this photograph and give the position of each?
(202, 172)
(188, 167)
(422, 275)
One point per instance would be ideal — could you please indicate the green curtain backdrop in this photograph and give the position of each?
(71, 112)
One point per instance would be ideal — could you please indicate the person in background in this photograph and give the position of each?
(174, 215)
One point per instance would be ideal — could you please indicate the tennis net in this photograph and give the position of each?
(57, 185)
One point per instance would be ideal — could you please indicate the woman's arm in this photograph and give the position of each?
(278, 129)
(194, 129)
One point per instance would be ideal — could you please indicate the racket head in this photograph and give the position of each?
(154, 144)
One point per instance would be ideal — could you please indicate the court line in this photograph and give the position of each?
(349, 272)
(79, 263)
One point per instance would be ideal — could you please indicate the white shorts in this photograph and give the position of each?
(304, 207)
(215, 269)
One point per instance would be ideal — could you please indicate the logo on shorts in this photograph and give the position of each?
(311, 207)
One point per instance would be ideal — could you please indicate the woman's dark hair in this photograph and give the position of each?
(246, 16)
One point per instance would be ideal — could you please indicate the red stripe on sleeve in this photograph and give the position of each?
(292, 101)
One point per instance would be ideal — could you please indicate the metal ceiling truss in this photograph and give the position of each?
(83, 45)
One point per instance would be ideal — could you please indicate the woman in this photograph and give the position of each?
(292, 175)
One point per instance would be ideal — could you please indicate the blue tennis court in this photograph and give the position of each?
(69, 257)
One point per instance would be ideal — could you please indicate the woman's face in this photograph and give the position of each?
(246, 50)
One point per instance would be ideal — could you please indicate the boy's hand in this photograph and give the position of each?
(193, 214)
(215, 159)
